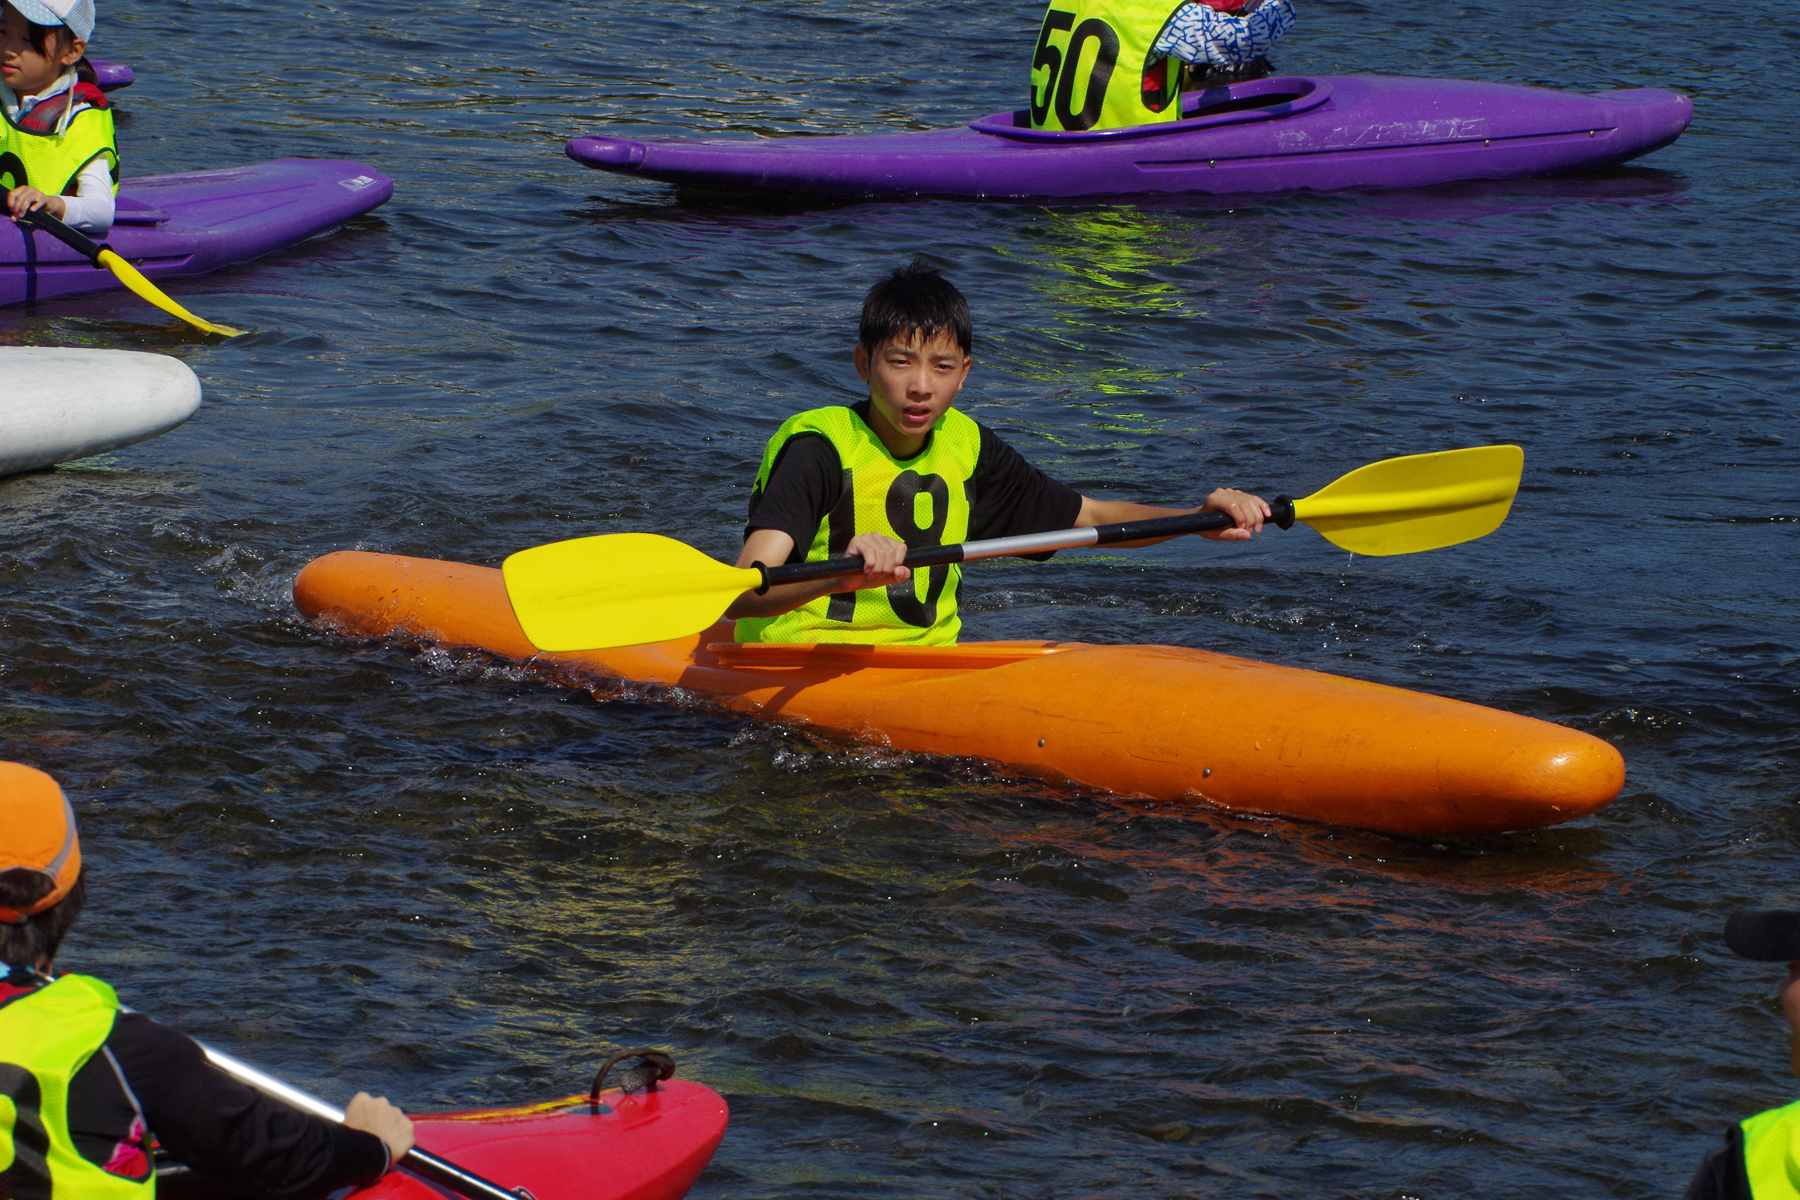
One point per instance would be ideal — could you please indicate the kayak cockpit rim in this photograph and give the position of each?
(852, 656)
(1230, 104)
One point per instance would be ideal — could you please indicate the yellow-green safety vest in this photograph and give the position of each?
(45, 1038)
(922, 500)
(1772, 1153)
(52, 163)
(1095, 68)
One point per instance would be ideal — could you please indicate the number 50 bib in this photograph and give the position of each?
(1094, 67)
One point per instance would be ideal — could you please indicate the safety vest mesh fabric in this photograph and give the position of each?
(922, 501)
(52, 164)
(1095, 66)
(45, 1038)
(1772, 1153)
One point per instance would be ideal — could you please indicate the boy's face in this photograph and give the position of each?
(912, 382)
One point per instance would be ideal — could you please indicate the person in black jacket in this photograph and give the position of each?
(1760, 1160)
(126, 1083)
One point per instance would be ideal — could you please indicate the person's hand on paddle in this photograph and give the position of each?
(1248, 511)
(882, 557)
(882, 564)
(373, 1114)
(23, 200)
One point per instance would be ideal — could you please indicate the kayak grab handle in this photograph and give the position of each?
(653, 1066)
(1026, 543)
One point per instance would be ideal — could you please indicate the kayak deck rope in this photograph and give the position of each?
(653, 1066)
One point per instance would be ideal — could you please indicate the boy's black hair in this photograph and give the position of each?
(42, 933)
(915, 301)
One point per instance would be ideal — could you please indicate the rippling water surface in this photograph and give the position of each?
(435, 876)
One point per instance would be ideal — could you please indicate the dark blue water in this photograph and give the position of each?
(438, 877)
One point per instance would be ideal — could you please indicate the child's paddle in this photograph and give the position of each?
(625, 589)
(130, 276)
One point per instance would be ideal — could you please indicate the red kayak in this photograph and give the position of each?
(642, 1146)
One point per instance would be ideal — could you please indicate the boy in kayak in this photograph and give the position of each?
(903, 469)
(1107, 64)
(58, 152)
(91, 1086)
(1761, 1155)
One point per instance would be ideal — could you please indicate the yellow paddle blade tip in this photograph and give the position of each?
(134, 279)
(618, 589)
(1417, 502)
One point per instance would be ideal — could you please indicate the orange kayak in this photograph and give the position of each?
(1134, 720)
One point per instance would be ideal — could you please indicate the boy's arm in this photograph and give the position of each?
(1248, 511)
(881, 566)
(882, 555)
(236, 1137)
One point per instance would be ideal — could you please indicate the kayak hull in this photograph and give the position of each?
(1367, 132)
(647, 1146)
(195, 222)
(60, 403)
(1134, 720)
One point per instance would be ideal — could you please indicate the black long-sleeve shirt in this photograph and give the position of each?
(1721, 1175)
(227, 1133)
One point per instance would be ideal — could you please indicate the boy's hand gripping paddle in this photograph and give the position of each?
(625, 589)
(130, 276)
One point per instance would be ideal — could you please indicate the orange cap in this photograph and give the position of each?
(37, 833)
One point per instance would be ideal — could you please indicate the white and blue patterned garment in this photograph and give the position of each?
(1197, 34)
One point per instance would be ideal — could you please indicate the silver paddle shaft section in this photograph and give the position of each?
(1027, 543)
(424, 1162)
(272, 1087)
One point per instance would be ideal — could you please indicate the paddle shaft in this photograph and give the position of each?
(105, 258)
(74, 239)
(1027, 543)
(424, 1162)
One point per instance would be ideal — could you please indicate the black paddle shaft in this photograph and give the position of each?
(443, 1171)
(1030, 543)
(74, 239)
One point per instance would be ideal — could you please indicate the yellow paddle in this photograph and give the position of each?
(130, 276)
(625, 589)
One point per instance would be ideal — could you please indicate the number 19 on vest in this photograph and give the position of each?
(1076, 77)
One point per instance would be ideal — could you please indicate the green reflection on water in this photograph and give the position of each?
(1099, 269)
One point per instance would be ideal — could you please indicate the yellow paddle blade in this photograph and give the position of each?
(619, 589)
(1419, 502)
(134, 279)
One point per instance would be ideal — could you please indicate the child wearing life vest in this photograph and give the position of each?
(1108, 64)
(904, 469)
(92, 1087)
(1761, 1154)
(58, 151)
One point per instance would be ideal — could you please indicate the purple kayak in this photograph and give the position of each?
(196, 222)
(111, 76)
(1268, 135)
